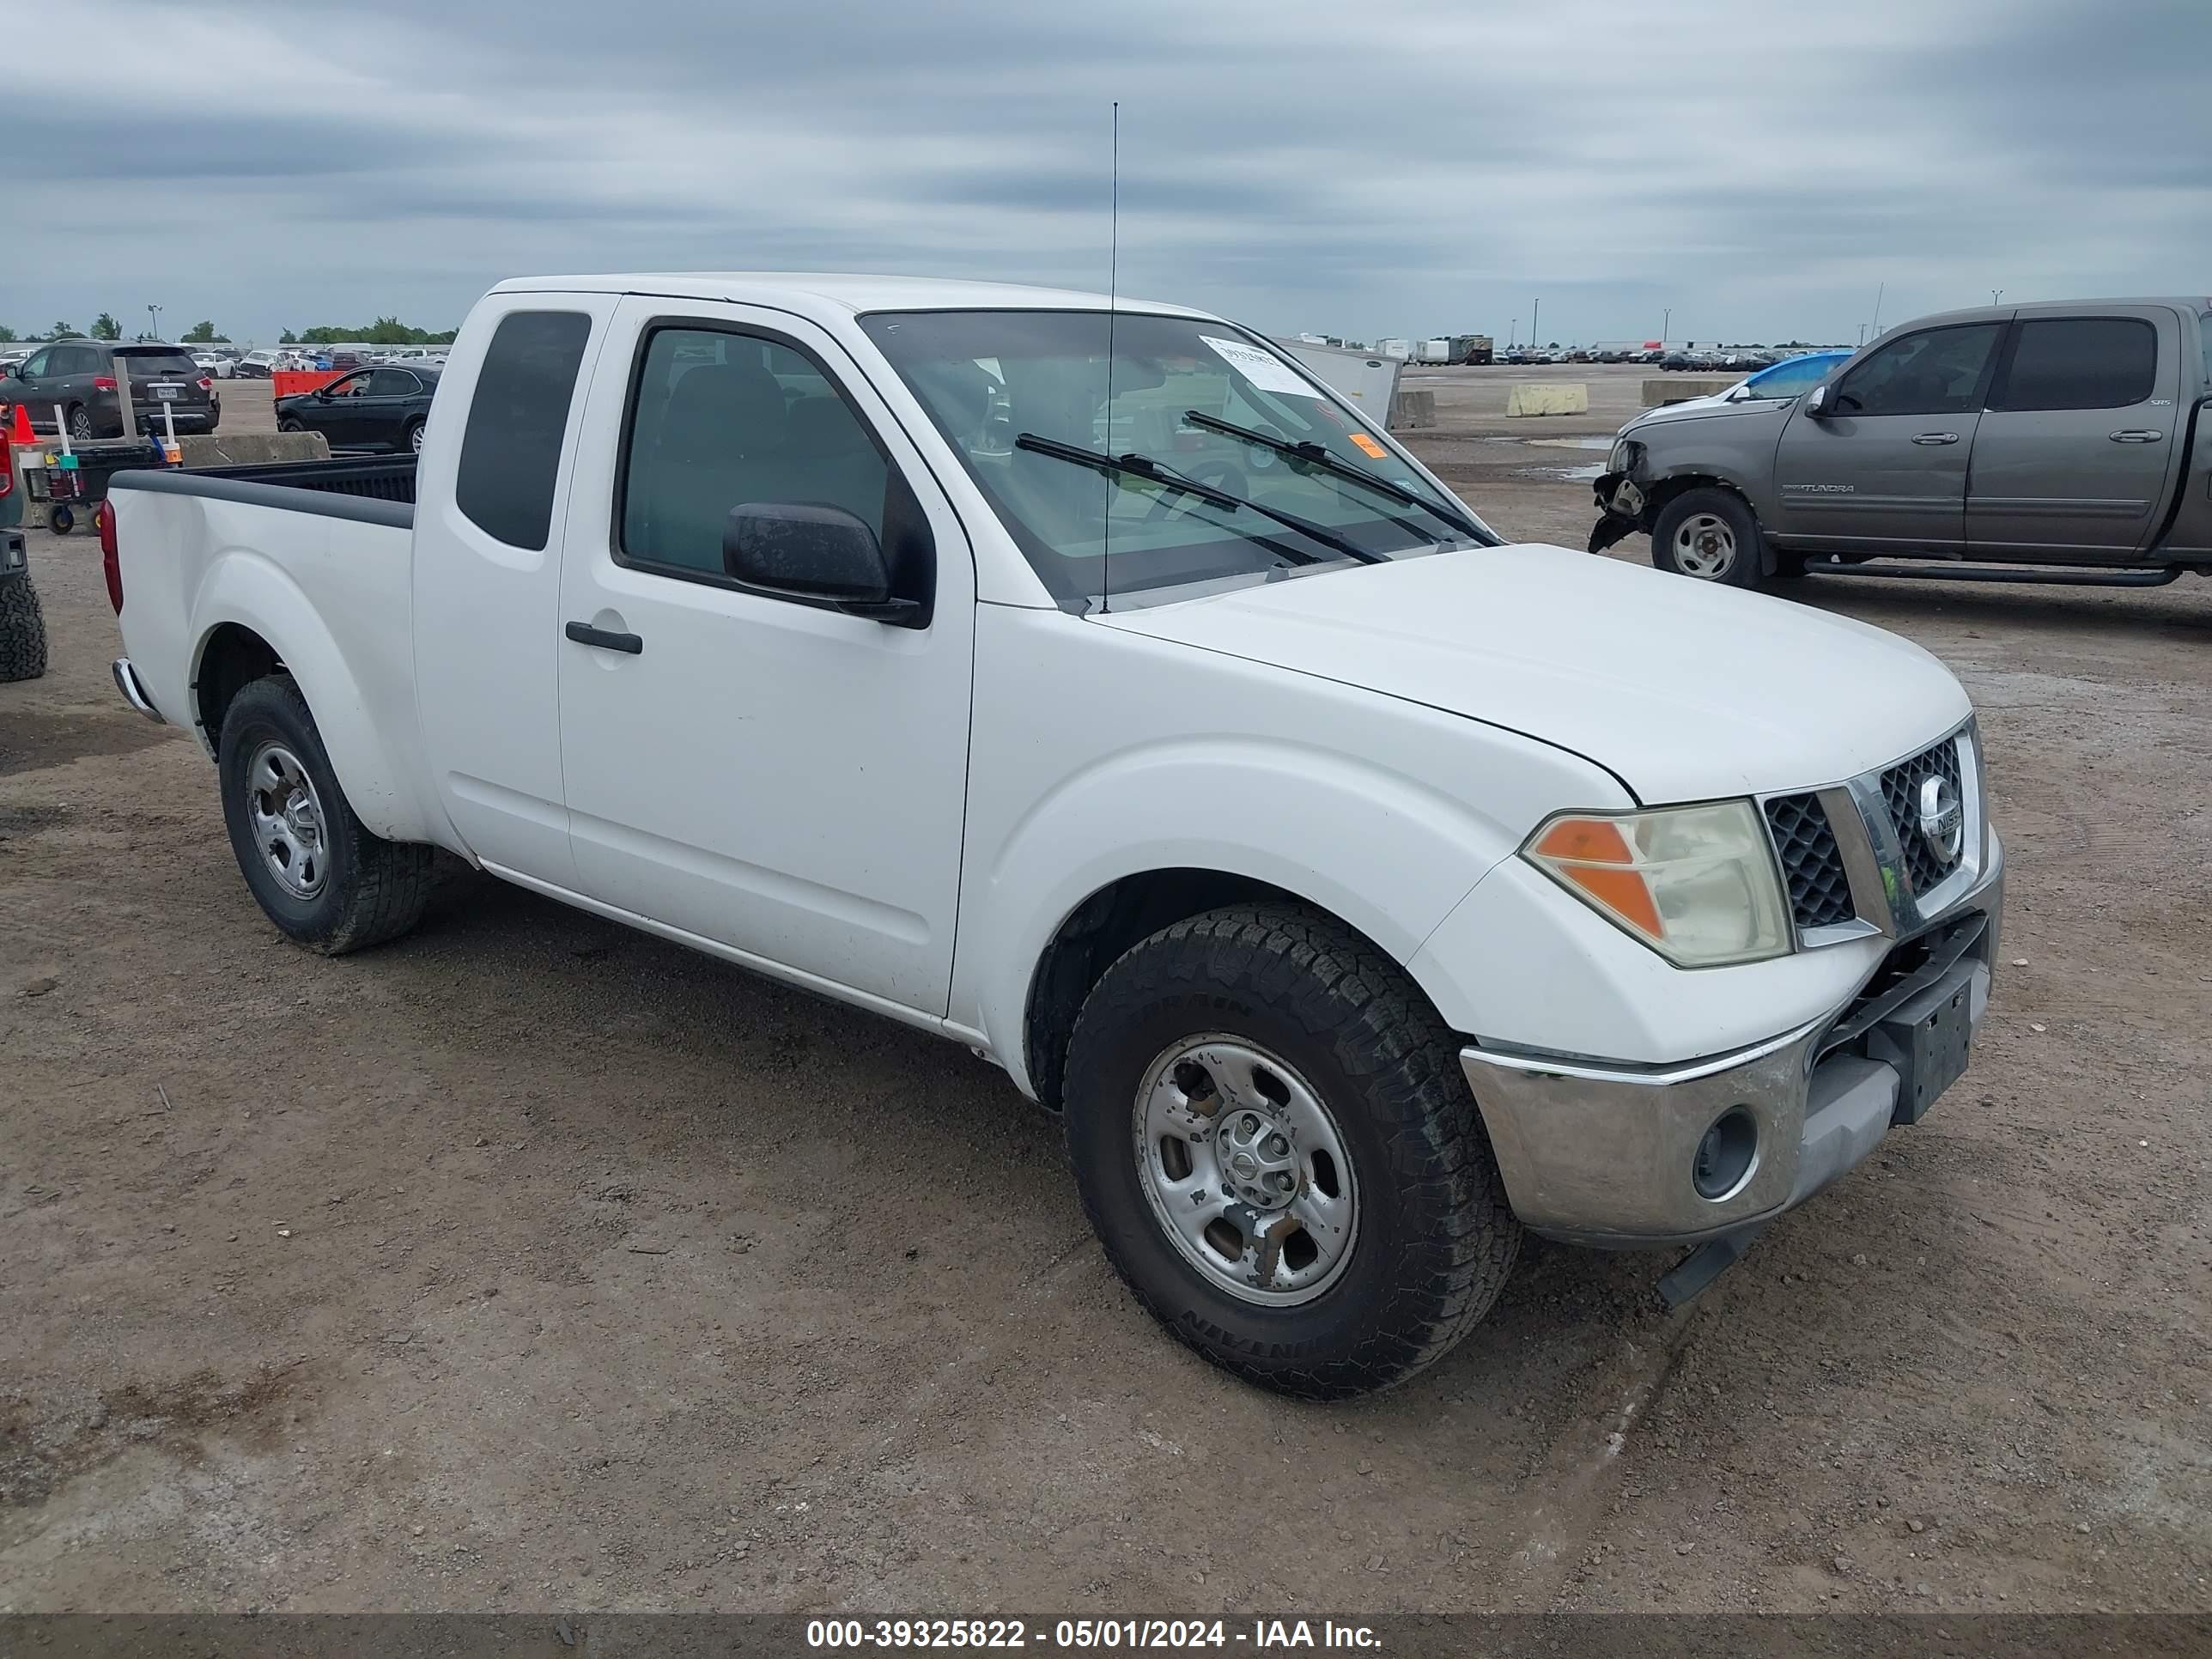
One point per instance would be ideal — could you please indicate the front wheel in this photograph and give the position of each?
(1276, 1146)
(318, 872)
(1709, 535)
(289, 426)
(60, 521)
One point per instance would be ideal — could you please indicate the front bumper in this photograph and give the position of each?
(1604, 1155)
(1621, 502)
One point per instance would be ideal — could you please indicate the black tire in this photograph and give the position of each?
(410, 439)
(1434, 1239)
(22, 630)
(373, 890)
(60, 521)
(79, 424)
(1729, 539)
(289, 426)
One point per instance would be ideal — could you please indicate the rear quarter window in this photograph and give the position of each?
(511, 449)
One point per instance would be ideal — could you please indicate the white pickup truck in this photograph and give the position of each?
(1088, 685)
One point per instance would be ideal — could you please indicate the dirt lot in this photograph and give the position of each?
(531, 1262)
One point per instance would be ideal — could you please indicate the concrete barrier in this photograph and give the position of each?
(1412, 410)
(1533, 398)
(253, 448)
(1680, 388)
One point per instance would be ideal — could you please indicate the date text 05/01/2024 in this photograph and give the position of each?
(1264, 1635)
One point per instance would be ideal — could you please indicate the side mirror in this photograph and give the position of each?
(806, 550)
(1816, 401)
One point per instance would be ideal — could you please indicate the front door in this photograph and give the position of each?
(336, 410)
(1883, 468)
(780, 779)
(2083, 429)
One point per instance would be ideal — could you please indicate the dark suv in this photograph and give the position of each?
(77, 377)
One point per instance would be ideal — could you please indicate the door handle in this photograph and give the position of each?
(606, 639)
(1936, 438)
(2137, 435)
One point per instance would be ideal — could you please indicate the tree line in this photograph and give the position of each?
(385, 331)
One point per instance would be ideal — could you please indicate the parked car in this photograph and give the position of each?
(77, 377)
(2066, 436)
(721, 611)
(1785, 379)
(215, 364)
(381, 407)
(258, 365)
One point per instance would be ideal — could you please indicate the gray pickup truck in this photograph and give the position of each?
(2067, 442)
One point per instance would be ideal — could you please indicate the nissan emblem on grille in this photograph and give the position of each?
(1943, 820)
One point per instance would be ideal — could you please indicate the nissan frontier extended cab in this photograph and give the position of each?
(1088, 685)
(2064, 442)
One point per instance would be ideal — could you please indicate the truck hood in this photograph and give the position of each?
(1684, 690)
(1715, 408)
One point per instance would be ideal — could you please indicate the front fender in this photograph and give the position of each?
(363, 700)
(1377, 849)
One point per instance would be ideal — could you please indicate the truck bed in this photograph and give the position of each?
(380, 491)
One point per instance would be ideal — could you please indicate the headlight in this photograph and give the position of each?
(1697, 884)
(1622, 457)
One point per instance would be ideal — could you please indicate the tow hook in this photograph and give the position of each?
(1694, 1273)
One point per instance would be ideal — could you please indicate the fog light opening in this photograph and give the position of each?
(1724, 1157)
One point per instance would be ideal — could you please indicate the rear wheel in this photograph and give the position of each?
(80, 425)
(1709, 535)
(22, 630)
(1276, 1146)
(319, 874)
(413, 441)
(289, 426)
(60, 521)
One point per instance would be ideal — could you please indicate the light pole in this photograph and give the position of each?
(1669, 322)
(154, 318)
(1533, 312)
(1996, 293)
(1513, 334)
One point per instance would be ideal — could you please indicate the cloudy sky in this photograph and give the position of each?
(1395, 167)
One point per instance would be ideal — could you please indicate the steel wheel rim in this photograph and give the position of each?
(290, 831)
(1704, 545)
(1245, 1170)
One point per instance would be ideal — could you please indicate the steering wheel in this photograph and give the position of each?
(1218, 472)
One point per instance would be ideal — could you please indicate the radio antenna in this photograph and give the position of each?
(1113, 280)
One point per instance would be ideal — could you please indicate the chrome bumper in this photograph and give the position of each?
(133, 690)
(1603, 1155)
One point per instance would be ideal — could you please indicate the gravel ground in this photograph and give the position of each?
(533, 1262)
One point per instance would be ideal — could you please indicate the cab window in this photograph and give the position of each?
(721, 418)
(1938, 371)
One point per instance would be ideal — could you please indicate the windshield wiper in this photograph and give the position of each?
(1142, 466)
(1315, 455)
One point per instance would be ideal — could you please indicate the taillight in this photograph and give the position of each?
(111, 567)
(103, 383)
(206, 385)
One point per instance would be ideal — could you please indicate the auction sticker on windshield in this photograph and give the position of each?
(1263, 369)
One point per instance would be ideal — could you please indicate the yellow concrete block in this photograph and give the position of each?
(1534, 398)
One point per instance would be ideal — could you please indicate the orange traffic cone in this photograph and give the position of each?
(19, 429)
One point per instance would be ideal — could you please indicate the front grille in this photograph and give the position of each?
(1900, 794)
(1819, 890)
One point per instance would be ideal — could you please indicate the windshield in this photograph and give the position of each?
(988, 379)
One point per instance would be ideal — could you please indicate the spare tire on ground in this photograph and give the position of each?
(22, 624)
